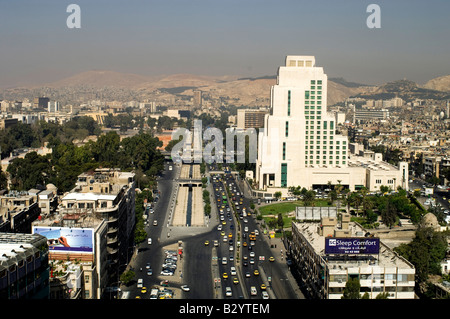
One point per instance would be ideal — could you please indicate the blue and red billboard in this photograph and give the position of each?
(65, 239)
(352, 245)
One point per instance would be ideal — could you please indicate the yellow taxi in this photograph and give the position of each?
(225, 275)
(256, 272)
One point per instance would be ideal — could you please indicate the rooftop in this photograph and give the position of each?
(386, 258)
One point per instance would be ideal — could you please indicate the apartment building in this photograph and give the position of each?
(24, 270)
(94, 224)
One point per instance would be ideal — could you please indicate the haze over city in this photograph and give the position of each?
(243, 38)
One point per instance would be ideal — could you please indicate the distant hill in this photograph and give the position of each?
(406, 89)
(249, 91)
(441, 83)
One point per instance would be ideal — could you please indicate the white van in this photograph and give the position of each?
(140, 283)
(149, 241)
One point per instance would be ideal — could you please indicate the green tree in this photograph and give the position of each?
(425, 252)
(309, 197)
(280, 221)
(351, 289)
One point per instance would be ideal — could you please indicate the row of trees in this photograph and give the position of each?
(390, 207)
(67, 160)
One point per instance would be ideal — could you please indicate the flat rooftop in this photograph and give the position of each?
(386, 258)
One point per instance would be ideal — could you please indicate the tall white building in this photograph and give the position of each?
(299, 145)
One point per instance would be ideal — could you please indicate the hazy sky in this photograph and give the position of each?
(227, 37)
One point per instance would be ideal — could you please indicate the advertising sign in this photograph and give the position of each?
(352, 245)
(64, 239)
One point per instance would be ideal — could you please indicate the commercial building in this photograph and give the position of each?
(299, 145)
(93, 225)
(250, 118)
(24, 270)
(327, 250)
(41, 102)
(361, 115)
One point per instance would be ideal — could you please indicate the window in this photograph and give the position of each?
(284, 150)
(306, 94)
(283, 175)
(331, 125)
(289, 102)
(287, 129)
(319, 81)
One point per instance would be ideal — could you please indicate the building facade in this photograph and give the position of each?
(324, 276)
(24, 270)
(299, 145)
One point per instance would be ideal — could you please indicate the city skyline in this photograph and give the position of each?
(222, 38)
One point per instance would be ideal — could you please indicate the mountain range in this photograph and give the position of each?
(248, 91)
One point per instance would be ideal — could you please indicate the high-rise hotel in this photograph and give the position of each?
(299, 145)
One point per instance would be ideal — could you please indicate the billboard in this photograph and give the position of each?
(66, 240)
(352, 245)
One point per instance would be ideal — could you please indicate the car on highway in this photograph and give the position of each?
(256, 272)
(263, 287)
(206, 243)
(253, 291)
(271, 259)
(235, 281)
(155, 223)
(185, 288)
(225, 275)
(247, 274)
(265, 295)
(233, 271)
(228, 292)
(143, 290)
(149, 241)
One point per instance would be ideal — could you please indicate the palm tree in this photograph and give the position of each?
(308, 198)
(365, 201)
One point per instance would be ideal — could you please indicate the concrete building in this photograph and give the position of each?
(24, 270)
(299, 145)
(100, 209)
(41, 102)
(250, 118)
(197, 101)
(324, 275)
(361, 115)
(18, 210)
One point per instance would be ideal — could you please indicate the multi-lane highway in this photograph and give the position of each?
(219, 260)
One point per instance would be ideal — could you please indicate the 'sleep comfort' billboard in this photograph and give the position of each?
(65, 239)
(352, 245)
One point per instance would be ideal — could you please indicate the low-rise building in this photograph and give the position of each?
(324, 273)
